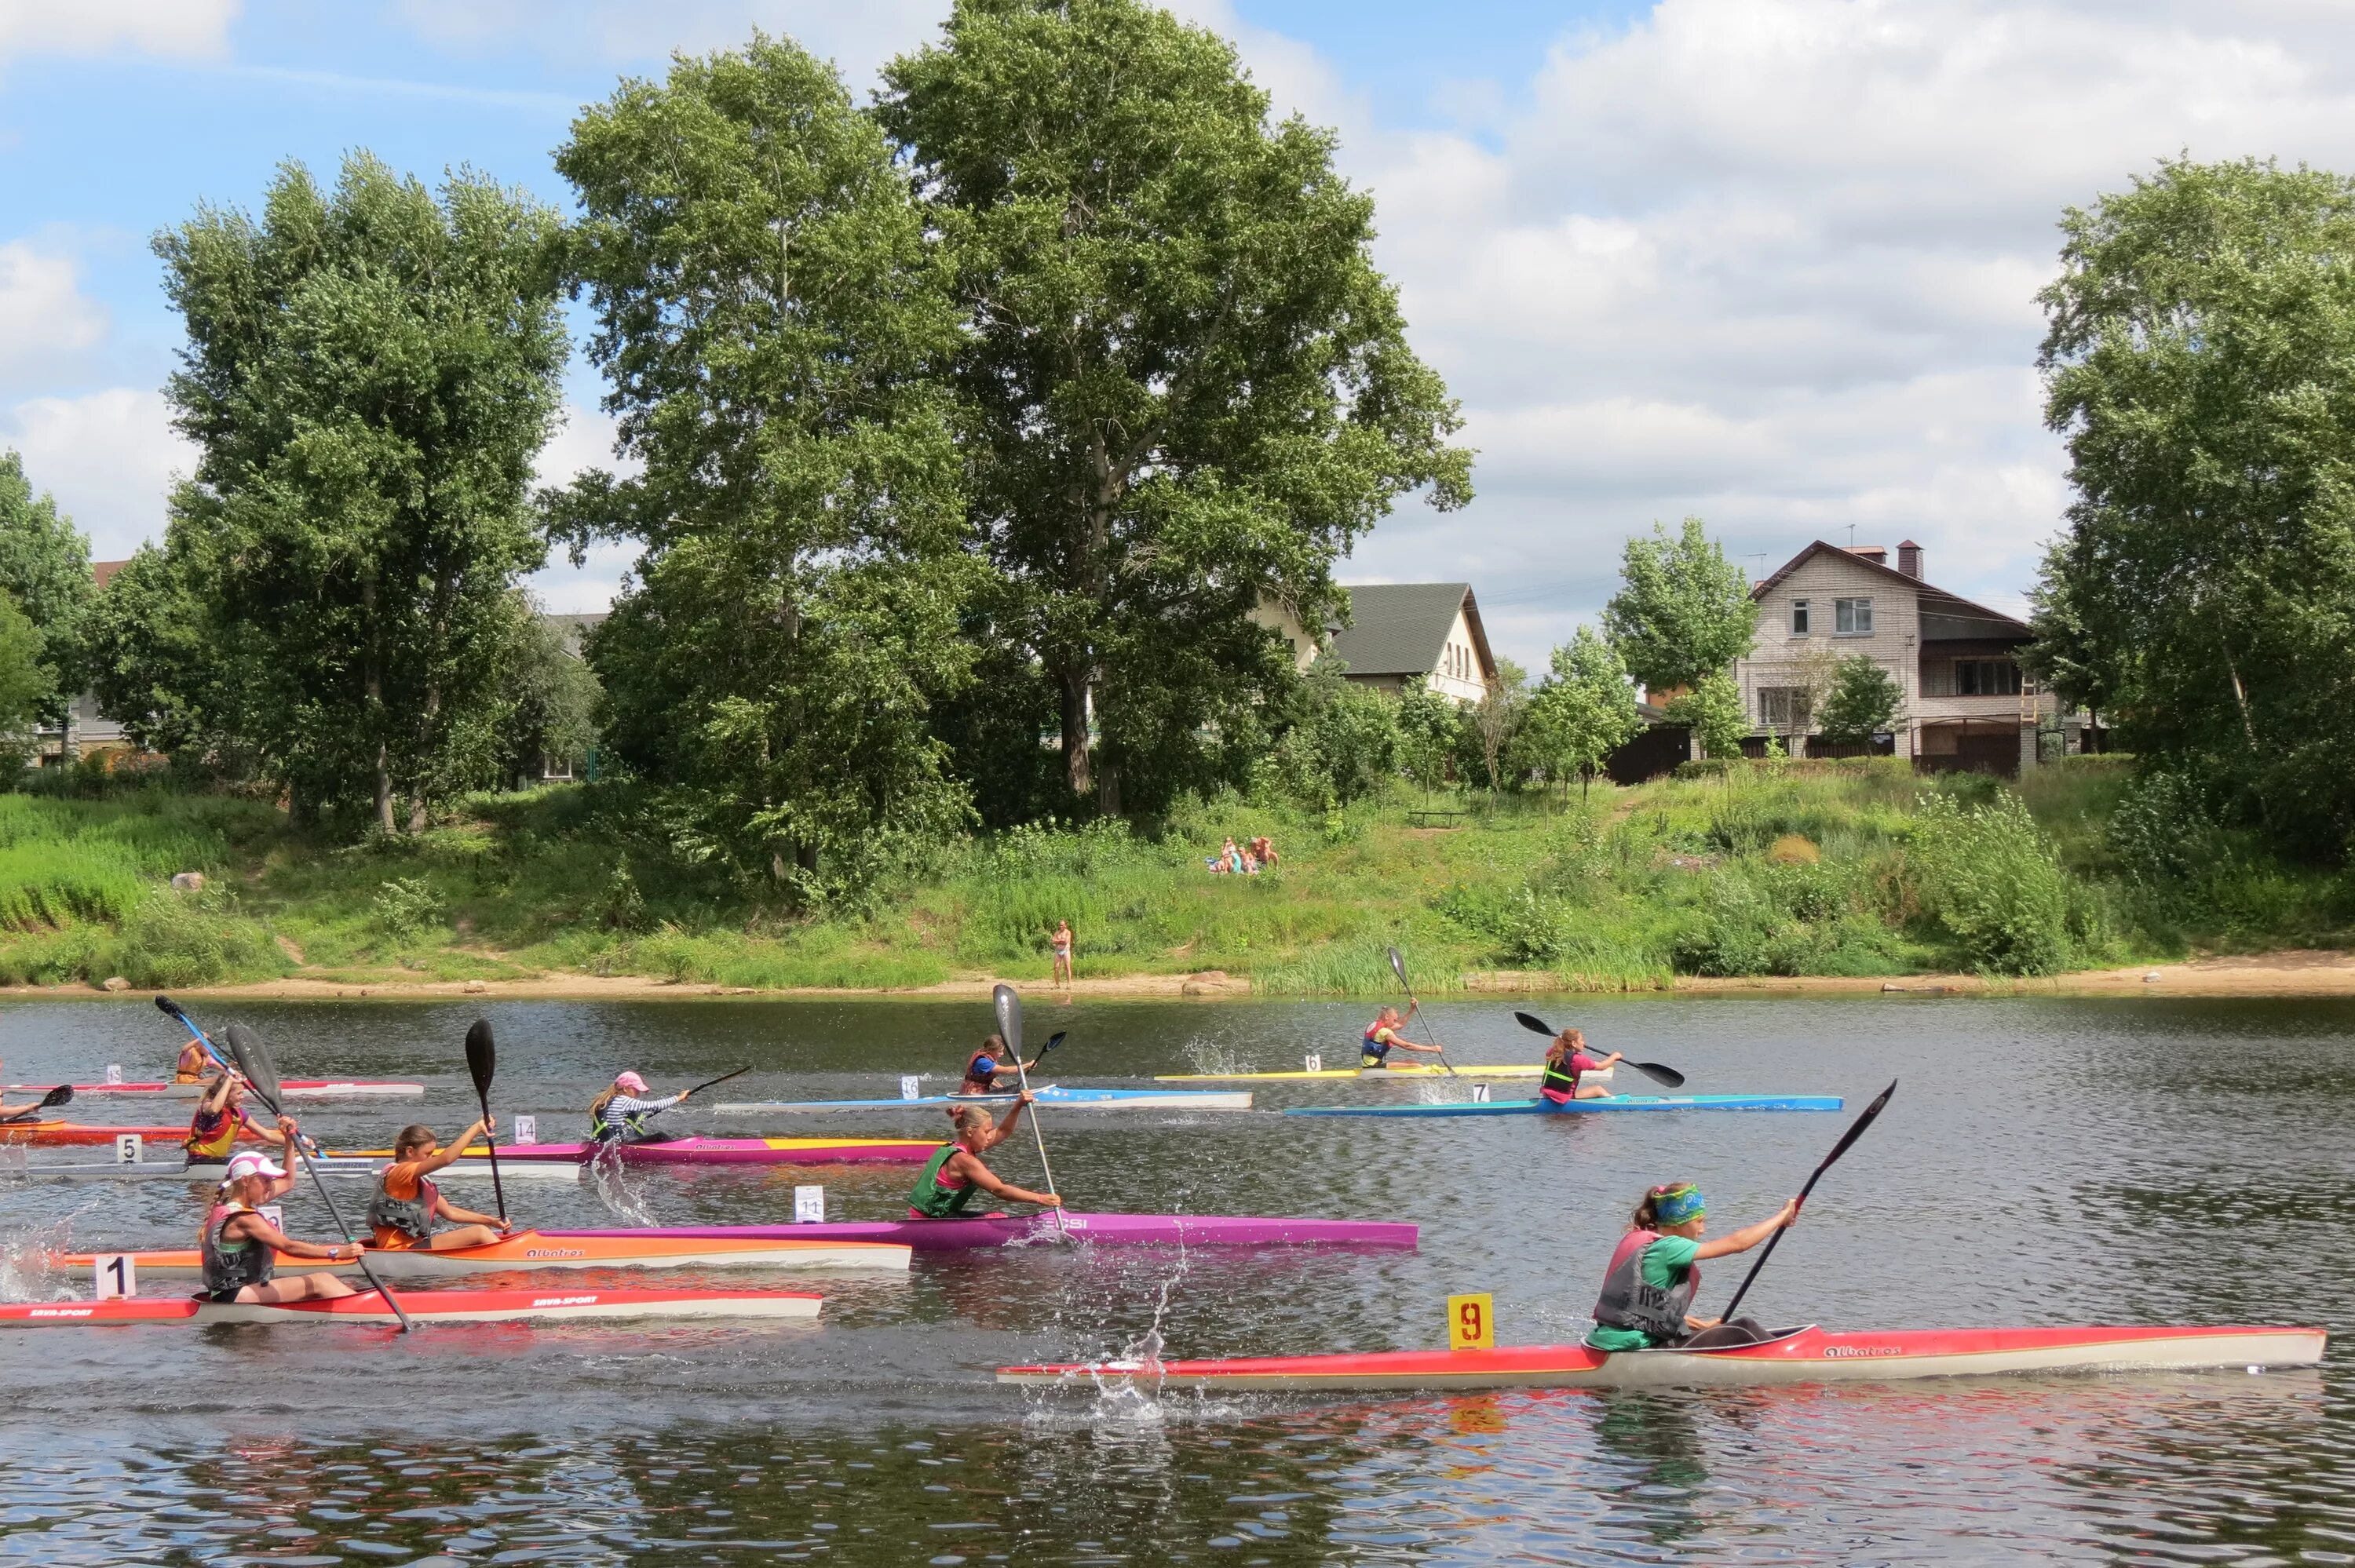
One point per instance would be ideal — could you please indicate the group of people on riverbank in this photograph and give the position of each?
(1250, 859)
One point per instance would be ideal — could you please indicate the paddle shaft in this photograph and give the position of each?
(1848, 1141)
(319, 1182)
(199, 1036)
(498, 1190)
(1039, 1135)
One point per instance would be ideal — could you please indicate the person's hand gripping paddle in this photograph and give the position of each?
(1848, 1141)
(61, 1095)
(482, 1064)
(261, 1072)
(1010, 1026)
(1414, 1005)
(171, 1009)
(1652, 1070)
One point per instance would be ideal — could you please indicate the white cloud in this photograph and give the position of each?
(110, 457)
(175, 27)
(43, 315)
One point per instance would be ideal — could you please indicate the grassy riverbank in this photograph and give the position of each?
(1845, 869)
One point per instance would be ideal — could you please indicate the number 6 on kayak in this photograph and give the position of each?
(1472, 1322)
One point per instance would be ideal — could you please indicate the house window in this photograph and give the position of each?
(1852, 617)
(1986, 678)
(1788, 709)
(1798, 618)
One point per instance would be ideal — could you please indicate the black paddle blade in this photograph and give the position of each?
(1398, 967)
(1848, 1138)
(1008, 1003)
(481, 1057)
(1534, 1025)
(1667, 1077)
(169, 1008)
(61, 1095)
(1052, 1041)
(254, 1060)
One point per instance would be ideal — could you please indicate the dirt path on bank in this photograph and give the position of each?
(2315, 974)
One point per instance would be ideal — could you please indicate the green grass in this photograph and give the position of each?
(1809, 869)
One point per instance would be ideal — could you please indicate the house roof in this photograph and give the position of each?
(1934, 601)
(1400, 629)
(103, 572)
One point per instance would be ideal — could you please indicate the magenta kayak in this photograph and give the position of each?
(721, 1151)
(1110, 1230)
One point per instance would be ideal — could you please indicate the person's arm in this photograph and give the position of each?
(1005, 1128)
(1411, 1045)
(217, 1095)
(965, 1168)
(253, 1227)
(1611, 1061)
(1748, 1236)
(448, 1211)
(441, 1157)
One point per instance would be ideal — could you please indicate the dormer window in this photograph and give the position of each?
(1798, 618)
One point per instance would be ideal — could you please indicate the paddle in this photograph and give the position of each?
(1414, 1005)
(481, 1061)
(171, 1008)
(254, 1060)
(1652, 1070)
(1010, 1026)
(1847, 1139)
(50, 1101)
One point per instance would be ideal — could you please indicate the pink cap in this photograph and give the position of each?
(629, 1084)
(252, 1162)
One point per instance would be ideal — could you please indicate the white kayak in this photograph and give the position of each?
(331, 1165)
(532, 1250)
(291, 1088)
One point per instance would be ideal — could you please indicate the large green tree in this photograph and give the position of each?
(1189, 386)
(1584, 711)
(45, 569)
(2200, 362)
(1682, 610)
(777, 331)
(369, 374)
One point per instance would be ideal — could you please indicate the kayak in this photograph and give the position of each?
(1371, 1075)
(423, 1305)
(1014, 1230)
(531, 1249)
(1047, 1095)
(717, 1151)
(291, 1088)
(328, 1165)
(51, 1134)
(1585, 1107)
(1805, 1355)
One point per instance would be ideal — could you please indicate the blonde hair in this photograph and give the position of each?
(969, 1119)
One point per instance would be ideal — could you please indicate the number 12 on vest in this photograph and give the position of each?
(1472, 1322)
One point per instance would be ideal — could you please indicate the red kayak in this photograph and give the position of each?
(423, 1305)
(48, 1134)
(1805, 1355)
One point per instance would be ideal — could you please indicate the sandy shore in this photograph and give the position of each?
(2318, 974)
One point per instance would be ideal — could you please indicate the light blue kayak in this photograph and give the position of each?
(1048, 1095)
(1589, 1107)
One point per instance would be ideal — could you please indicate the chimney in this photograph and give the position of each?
(1909, 558)
(1877, 553)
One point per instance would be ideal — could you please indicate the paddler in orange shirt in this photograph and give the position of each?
(406, 1200)
(240, 1248)
(195, 1064)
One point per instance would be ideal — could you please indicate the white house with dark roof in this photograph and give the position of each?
(1400, 631)
(1967, 703)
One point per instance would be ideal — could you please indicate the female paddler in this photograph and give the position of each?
(620, 1113)
(955, 1170)
(1382, 1037)
(240, 1248)
(985, 1066)
(195, 1064)
(1655, 1270)
(407, 1201)
(221, 1121)
(1566, 1062)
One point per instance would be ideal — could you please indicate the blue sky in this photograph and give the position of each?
(1772, 262)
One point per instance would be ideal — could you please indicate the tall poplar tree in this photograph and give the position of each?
(1189, 387)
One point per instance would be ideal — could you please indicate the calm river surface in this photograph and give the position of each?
(2044, 1162)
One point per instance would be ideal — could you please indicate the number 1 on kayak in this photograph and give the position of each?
(1472, 1322)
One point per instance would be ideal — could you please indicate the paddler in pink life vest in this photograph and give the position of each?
(406, 1200)
(1382, 1037)
(240, 1248)
(985, 1067)
(956, 1172)
(1566, 1062)
(1655, 1269)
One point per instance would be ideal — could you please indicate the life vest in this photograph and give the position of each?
(209, 1143)
(1627, 1302)
(933, 1200)
(1373, 1052)
(413, 1217)
(231, 1266)
(194, 1066)
(1560, 1081)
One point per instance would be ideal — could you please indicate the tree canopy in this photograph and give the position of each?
(1864, 701)
(1682, 610)
(45, 570)
(1584, 711)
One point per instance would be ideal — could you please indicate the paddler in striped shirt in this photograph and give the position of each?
(407, 1201)
(619, 1114)
(956, 1171)
(240, 1248)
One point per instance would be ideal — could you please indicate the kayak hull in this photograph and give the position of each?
(330, 1165)
(1104, 1230)
(1808, 1355)
(1371, 1075)
(64, 1134)
(1613, 1105)
(291, 1088)
(422, 1306)
(1048, 1096)
(725, 1151)
(533, 1250)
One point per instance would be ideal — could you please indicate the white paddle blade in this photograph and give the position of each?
(1009, 1018)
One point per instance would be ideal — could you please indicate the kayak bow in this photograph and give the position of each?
(533, 1250)
(1016, 1230)
(1050, 1095)
(718, 1151)
(1805, 1355)
(425, 1307)
(295, 1089)
(1371, 1075)
(1588, 1108)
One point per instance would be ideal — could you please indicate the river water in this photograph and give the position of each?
(2044, 1162)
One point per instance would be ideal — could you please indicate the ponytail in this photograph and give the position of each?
(1647, 1216)
(597, 1106)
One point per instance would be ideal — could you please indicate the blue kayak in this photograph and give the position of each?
(1584, 1108)
(1047, 1095)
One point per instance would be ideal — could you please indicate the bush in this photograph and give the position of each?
(1988, 873)
(407, 908)
(175, 939)
(2162, 832)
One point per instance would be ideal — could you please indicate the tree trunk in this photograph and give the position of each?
(1078, 763)
(384, 791)
(372, 679)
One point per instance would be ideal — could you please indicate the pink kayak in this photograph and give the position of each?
(1109, 1230)
(1805, 1355)
(718, 1151)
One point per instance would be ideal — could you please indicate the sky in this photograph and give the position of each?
(1769, 262)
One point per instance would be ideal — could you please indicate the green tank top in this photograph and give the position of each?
(931, 1198)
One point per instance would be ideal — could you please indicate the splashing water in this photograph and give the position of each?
(614, 1190)
(26, 1274)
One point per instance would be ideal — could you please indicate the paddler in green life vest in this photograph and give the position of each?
(1382, 1037)
(1655, 1271)
(955, 1170)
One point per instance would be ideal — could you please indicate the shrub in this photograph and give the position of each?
(2161, 831)
(175, 939)
(407, 908)
(1989, 874)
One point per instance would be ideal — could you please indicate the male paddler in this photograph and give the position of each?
(1655, 1271)
(955, 1170)
(240, 1248)
(1382, 1037)
(991, 1069)
(220, 1120)
(1566, 1062)
(407, 1201)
